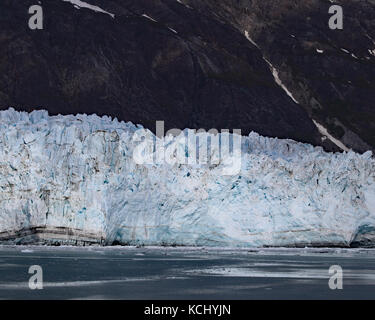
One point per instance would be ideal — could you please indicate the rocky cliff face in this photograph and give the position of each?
(188, 64)
(330, 72)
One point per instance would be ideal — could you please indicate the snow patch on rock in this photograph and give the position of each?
(81, 4)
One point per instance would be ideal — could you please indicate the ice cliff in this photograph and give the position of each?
(73, 179)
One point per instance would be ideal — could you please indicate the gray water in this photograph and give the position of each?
(185, 273)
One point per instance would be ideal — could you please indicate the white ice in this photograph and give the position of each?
(78, 172)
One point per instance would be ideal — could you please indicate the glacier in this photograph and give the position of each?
(73, 180)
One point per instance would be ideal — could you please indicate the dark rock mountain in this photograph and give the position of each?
(190, 64)
(330, 72)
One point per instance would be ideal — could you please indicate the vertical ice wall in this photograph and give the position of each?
(77, 173)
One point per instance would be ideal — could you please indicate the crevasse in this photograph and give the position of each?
(72, 179)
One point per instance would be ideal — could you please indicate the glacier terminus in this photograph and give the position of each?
(73, 180)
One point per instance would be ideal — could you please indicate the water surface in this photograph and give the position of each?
(185, 273)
